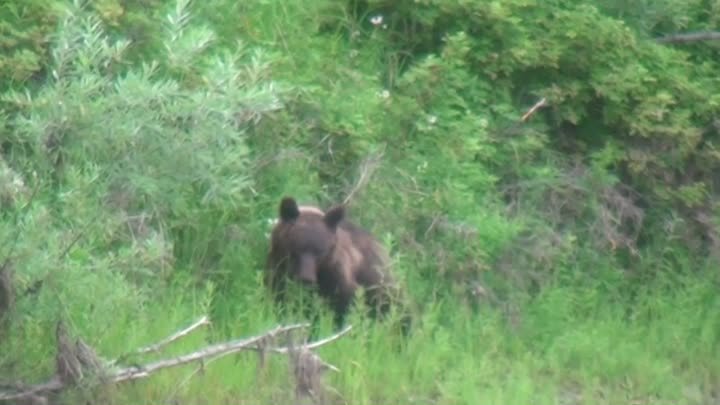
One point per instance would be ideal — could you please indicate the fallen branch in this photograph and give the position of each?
(221, 349)
(122, 374)
(690, 37)
(157, 346)
(314, 345)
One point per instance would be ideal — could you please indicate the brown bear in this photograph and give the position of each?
(327, 252)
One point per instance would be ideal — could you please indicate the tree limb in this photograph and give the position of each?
(156, 347)
(367, 168)
(220, 349)
(533, 109)
(122, 374)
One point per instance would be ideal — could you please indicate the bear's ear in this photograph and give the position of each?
(334, 216)
(289, 210)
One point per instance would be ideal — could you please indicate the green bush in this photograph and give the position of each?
(557, 258)
(133, 173)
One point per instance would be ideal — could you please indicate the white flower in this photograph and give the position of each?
(422, 167)
(384, 94)
(432, 119)
(376, 20)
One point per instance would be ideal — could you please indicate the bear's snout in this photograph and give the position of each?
(307, 273)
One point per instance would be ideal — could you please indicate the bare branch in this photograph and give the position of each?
(314, 345)
(56, 383)
(157, 346)
(221, 349)
(690, 37)
(283, 155)
(53, 385)
(367, 168)
(533, 109)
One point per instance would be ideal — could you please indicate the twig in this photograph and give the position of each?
(367, 168)
(436, 218)
(157, 346)
(51, 386)
(690, 37)
(533, 109)
(278, 157)
(313, 345)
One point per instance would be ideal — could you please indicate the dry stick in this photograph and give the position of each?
(221, 349)
(157, 346)
(313, 345)
(512, 128)
(53, 385)
(533, 109)
(286, 350)
(366, 170)
(133, 373)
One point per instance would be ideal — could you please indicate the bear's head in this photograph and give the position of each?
(306, 237)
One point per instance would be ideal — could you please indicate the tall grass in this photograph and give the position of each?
(165, 190)
(567, 346)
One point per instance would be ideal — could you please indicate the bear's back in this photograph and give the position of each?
(371, 268)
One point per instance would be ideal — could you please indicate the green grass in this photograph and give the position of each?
(594, 330)
(569, 343)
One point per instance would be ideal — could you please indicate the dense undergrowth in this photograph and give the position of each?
(568, 258)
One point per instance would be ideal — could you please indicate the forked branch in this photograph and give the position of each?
(367, 168)
(74, 360)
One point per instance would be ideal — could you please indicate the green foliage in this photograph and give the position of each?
(141, 142)
(558, 258)
(128, 168)
(607, 90)
(24, 27)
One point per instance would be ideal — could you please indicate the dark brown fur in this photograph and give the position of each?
(329, 253)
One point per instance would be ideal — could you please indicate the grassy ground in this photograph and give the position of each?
(568, 346)
(590, 335)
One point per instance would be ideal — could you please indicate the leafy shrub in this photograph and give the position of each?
(636, 111)
(130, 167)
